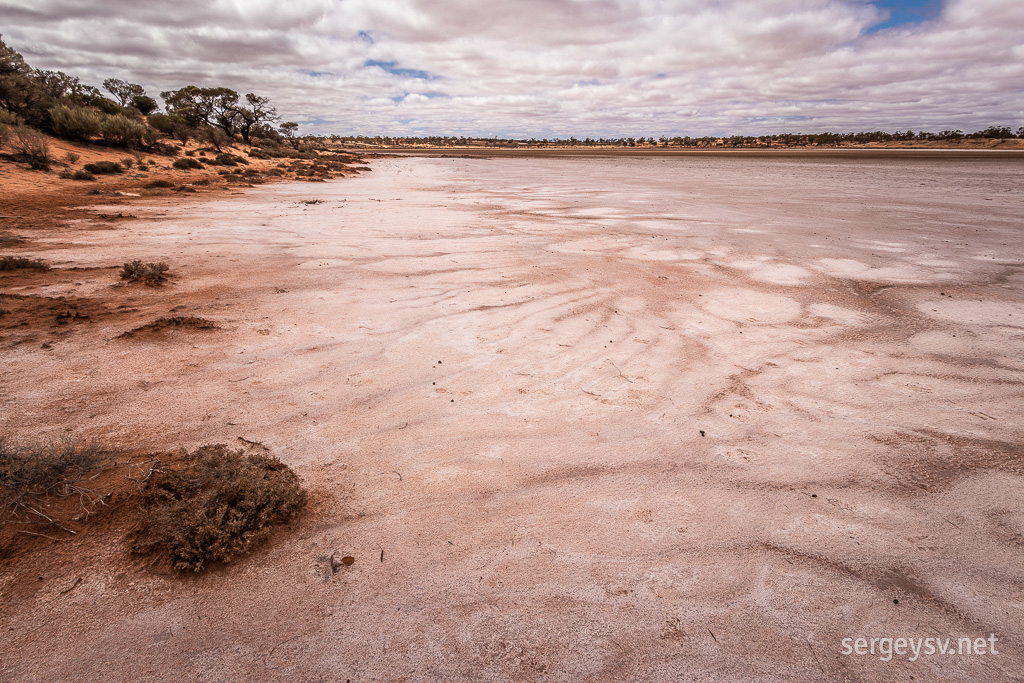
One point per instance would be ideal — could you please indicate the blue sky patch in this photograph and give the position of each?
(365, 37)
(902, 12)
(394, 69)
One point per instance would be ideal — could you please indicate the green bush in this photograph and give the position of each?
(82, 174)
(185, 163)
(121, 130)
(104, 167)
(75, 123)
(219, 507)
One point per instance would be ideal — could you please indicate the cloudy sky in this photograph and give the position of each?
(557, 67)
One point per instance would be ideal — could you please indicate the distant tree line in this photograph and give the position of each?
(825, 139)
(34, 100)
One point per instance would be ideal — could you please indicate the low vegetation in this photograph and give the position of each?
(29, 473)
(218, 506)
(22, 262)
(148, 273)
(190, 510)
(103, 168)
(189, 322)
(186, 164)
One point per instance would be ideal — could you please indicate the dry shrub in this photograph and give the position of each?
(20, 262)
(32, 146)
(218, 507)
(178, 321)
(31, 472)
(149, 273)
(156, 184)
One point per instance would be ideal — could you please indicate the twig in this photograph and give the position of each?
(72, 586)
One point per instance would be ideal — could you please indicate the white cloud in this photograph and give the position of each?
(554, 67)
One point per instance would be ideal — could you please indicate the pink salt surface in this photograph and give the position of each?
(602, 419)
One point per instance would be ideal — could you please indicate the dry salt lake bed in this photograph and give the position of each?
(630, 418)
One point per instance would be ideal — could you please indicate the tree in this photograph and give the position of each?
(145, 104)
(123, 90)
(255, 117)
(209, 106)
(288, 129)
(11, 61)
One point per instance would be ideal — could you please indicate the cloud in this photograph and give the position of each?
(556, 67)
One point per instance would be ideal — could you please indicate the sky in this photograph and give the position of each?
(555, 68)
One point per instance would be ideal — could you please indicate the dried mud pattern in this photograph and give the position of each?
(579, 419)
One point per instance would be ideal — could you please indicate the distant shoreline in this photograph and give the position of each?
(791, 152)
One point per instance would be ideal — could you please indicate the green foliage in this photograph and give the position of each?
(199, 106)
(104, 167)
(220, 506)
(75, 123)
(145, 104)
(121, 130)
(82, 174)
(124, 91)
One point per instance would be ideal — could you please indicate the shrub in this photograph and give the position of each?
(185, 163)
(222, 505)
(104, 167)
(20, 262)
(82, 174)
(127, 162)
(29, 472)
(32, 145)
(75, 123)
(121, 130)
(154, 184)
(71, 157)
(150, 273)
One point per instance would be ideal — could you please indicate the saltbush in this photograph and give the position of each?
(186, 163)
(103, 167)
(121, 130)
(75, 123)
(221, 505)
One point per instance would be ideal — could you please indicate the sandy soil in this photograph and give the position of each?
(621, 419)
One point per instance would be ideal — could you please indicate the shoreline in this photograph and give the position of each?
(929, 154)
